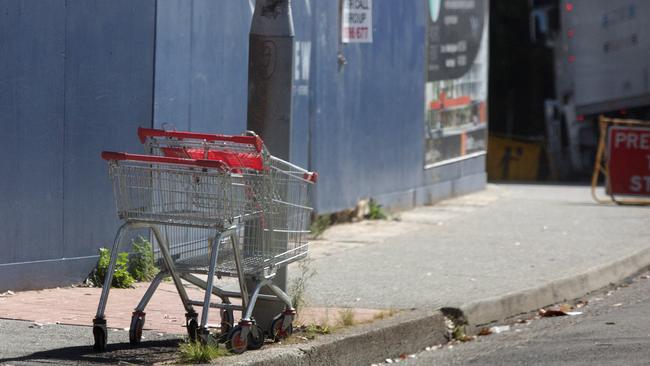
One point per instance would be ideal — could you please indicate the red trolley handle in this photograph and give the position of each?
(254, 141)
(120, 156)
(311, 176)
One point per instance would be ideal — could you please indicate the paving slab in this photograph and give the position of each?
(165, 312)
(77, 306)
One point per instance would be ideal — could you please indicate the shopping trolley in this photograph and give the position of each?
(266, 175)
(219, 218)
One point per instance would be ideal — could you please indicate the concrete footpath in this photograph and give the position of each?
(482, 258)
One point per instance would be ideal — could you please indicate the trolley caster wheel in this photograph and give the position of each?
(192, 325)
(135, 331)
(255, 341)
(235, 342)
(278, 331)
(227, 321)
(100, 335)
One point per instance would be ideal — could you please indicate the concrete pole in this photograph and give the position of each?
(270, 67)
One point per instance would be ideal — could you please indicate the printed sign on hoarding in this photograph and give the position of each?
(456, 84)
(356, 21)
(628, 152)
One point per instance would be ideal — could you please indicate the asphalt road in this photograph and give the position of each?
(614, 329)
(27, 343)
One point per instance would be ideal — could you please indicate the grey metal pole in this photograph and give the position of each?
(270, 67)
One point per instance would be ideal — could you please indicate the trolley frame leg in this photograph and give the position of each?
(169, 263)
(251, 304)
(108, 278)
(289, 310)
(216, 243)
(234, 238)
(100, 332)
(150, 291)
(280, 294)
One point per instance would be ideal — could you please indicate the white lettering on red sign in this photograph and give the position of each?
(629, 160)
(632, 141)
(640, 183)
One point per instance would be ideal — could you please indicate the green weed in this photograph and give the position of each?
(385, 314)
(312, 330)
(376, 211)
(319, 225)
(347, 317)
(195, 352)
(299, 284)
(142, 266)
(121, 276)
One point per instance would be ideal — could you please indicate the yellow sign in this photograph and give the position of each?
(510, 159)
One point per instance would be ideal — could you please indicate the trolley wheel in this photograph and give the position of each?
(99, 333)
(235, 343)
(277, 331)
(256, 342)
(192, 325)
(135, 331)
(227, 321)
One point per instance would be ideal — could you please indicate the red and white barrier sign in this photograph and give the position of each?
(629, 160)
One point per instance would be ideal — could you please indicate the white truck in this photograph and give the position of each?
(602, 66)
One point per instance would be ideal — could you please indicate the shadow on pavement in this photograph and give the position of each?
(147, 352)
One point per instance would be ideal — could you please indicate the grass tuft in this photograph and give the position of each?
(299, 284)
(319, 225)
(347, 317)
(195, 352)
(375, 211)
(385, 314)
(312, 330)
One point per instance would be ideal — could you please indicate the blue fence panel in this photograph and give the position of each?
(367, 128)
(303, 15)
(173, 63)
(31, 129)
(201, 65)
(109, 85)
(76, 78)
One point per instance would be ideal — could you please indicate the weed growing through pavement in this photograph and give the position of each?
(346, 317)
(385, 314)
(319, 225)
(196, 352)
(139, 265)
(312, 330)
(142, 265)
(307, 332)
(375, 211)
(366, 209)
(299, 284)
(121, 276)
